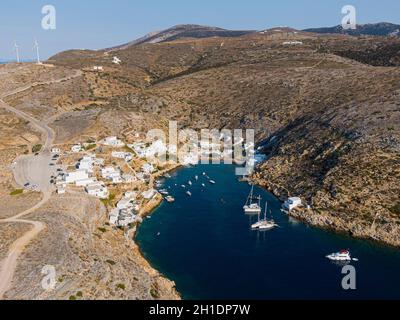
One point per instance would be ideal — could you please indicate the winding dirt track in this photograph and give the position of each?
(9, 264)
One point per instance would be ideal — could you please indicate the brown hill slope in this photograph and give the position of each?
(331, 123)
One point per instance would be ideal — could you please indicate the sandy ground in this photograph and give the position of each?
(9, 232)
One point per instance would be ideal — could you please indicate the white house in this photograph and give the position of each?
(98, 161)
(85, 182)
(292, 203)
(113, 142)
(86, 163)
(76, 148)
(97, 189)
(156, 148)
(55, 150)
(145, 177)
(148, 168)
(130, 195)
(113, 217)
(98, 68)
(109, 172)
(149, 194)
(126, 217)
(122, 155)
(128, 178)
(74, 176)
(124, 214)
(292, 43)
(116, 60)
(61, 189)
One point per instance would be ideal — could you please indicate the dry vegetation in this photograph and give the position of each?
(329, 125)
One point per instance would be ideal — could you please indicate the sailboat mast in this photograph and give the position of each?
(265, 212)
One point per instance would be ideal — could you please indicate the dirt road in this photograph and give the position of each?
(35, 170)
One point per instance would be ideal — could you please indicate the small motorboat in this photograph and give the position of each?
(190, 183)
(189, 193)
(203, 185)
(343, 255)
(183, 186)
(170, 199)
(212, 182)
(196, 178)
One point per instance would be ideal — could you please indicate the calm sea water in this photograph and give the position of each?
(204, 244)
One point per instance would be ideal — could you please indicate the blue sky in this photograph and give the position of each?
(104, 23)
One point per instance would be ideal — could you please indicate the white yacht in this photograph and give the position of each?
(189, 193)
(252, 207)
(343, 255)
(212, 182)
(189, 183)
(264, 224)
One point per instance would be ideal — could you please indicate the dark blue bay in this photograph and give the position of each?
(206, 246)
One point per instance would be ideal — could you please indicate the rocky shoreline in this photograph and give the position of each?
(389, 236)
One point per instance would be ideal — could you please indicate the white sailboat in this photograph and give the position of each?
(264, 224)
(252, 207)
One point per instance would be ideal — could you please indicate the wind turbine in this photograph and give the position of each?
(16, 48)
(36, 46)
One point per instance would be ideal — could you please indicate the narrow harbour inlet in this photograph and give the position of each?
(205, 244)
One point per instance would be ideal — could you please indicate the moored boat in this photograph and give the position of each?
(343, 255)
(264, 224)
(252, 207)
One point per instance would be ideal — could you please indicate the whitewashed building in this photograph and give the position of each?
(116, 60)
(85, 182)
(98, 190)
(149, 194)
(122, 155)
(148, 168)
(292, 203)
(128, 178)
(112, 174)
(76, 148)
(74, 176)
(86, 163)
(113, 142)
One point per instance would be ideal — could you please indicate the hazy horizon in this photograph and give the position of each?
(106, 24)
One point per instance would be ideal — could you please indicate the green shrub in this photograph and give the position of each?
(110, 262)
(396, 209)
(36, 148)
(121, 286)
(154, 293)
(16, 192)
(90, 146)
